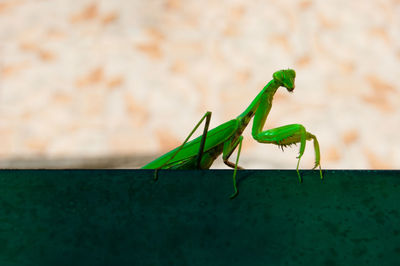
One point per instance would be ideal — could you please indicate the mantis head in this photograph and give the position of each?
(285, 78)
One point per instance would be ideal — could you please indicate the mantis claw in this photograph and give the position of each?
(234, 194)
(320, 171)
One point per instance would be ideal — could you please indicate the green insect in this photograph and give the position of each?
(201, 152)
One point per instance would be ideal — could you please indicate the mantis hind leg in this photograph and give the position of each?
(291, 134)
(206, 116)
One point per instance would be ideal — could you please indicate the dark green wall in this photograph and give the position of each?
(123, 217)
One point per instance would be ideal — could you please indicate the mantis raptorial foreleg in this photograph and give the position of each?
(206, 116)
(226, 153)
(291, 134)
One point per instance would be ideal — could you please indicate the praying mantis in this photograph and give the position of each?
(201, 152)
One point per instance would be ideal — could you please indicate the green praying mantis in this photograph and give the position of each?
(201, 152)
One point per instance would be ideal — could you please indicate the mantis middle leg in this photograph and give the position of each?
(291, 134)
(227, 152)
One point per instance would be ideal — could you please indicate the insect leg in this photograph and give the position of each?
(317, 154)
(291, 134)
(206, 115)
(203, 139)
(227, 152)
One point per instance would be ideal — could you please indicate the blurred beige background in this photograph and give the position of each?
(130, 79)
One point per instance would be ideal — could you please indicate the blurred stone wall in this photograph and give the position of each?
(110, 78)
